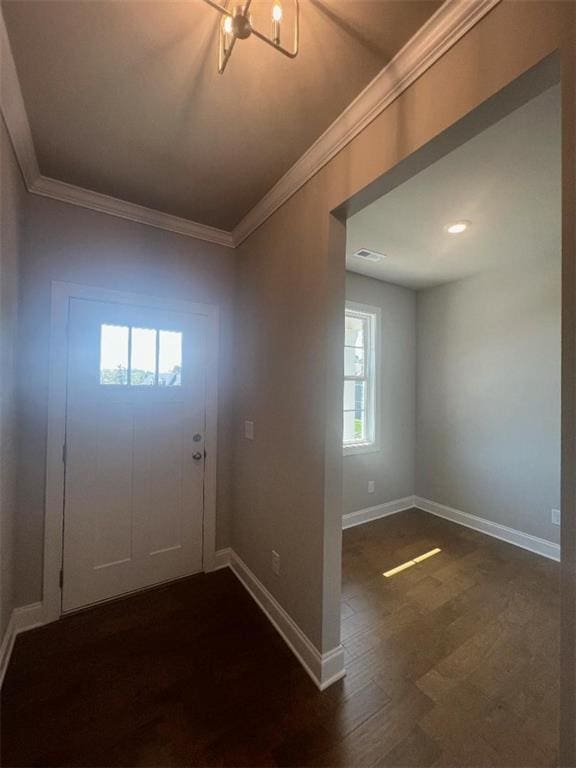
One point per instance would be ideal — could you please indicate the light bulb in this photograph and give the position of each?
(277, 12)
(228, 25)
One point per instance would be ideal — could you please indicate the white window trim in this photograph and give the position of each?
(374, 358)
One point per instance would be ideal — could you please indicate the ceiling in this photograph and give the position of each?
(123, 96)
(506, 181)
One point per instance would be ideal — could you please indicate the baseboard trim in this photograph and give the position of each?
(323, 668)
(6, 648)
(22, 619)
(222, 558)
(496, 530)
(326, 668)
(368, 514)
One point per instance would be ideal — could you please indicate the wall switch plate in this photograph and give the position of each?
(371, 486)
(249, 430)
(275, 562)
(555, 516)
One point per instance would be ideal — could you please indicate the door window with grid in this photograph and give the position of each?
(140, 356)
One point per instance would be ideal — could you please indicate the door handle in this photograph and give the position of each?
(197, 456)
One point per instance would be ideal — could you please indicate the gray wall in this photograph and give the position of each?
(68, 243)
(392, 467)
(488, 395)
(470, 414)
(12, 201)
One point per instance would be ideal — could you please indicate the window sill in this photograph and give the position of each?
(359, 448)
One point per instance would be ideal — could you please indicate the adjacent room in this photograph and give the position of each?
(452, 441)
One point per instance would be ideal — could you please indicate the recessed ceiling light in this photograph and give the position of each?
(367, 255)
(457, 227)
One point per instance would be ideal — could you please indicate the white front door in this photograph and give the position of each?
(135, 427)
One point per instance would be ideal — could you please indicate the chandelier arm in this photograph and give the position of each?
(297, 28)
(293, 53)
(276, 46)
(223, 60)
(223, 52)
(245, 29)
(218, 7)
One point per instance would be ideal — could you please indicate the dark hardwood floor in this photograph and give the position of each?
(453, 662)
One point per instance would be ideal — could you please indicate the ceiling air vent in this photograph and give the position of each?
(367, 255)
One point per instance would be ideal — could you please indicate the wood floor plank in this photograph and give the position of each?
(453, 662)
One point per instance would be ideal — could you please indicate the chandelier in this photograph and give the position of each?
(236, 24)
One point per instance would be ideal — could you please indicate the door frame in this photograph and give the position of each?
(62, 293)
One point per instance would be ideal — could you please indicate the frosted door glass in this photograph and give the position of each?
(143, 358)
(114, 354)
(170, 359)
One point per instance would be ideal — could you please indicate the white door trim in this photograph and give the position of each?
(57, 382)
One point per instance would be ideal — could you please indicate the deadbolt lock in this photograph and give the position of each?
(197, 437)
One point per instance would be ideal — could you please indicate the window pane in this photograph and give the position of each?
(349, 395)
(353, 362)
(354, 426)
(113, 354)
(354, 395)
(355, 329)
(360, 425)
(143, 359)
(348, 426)
(170, 359)
(360, 397)
(354, 411)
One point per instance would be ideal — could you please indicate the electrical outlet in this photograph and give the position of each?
(555, 516)
(249, 430)
(275, 562)
(371, 486)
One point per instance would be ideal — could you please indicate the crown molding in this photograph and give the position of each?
(16, 120)
(14, 111)
(451, 22)
(95, 201)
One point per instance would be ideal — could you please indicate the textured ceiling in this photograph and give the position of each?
(506, 181)
(123, 96)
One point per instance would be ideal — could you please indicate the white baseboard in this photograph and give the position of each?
(325, 668)
(222, 558)
(362, 516)
(22, 619)
(6, 648)
(511, 535)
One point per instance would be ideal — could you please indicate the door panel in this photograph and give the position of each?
(133, 509)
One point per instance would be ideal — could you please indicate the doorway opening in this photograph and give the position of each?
(451, 433)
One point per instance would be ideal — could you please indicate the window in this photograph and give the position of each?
(140, 357)
(360, 367)
(114, 354)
